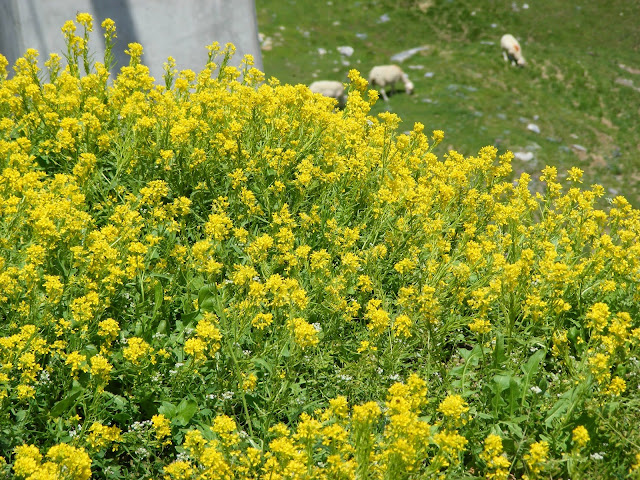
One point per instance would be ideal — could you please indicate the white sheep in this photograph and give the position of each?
(383, 75)
(330, 88)
(511, 50)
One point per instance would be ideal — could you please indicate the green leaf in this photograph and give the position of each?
(207, 299)
(258, 361)
(67, 402)
(158, 298)
(498, 352)
(533, 364)
(168, 410)
(186, 409)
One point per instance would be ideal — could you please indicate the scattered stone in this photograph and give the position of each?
(494, 25)
(346, 50)
(424, 6)
(523, 156)
(266, 43)
(552, 139)
(624, 81)
(487, 42)
(322, 51)
(501, 116)
(523, 120)
(402, 56)
(631, 70)
(361, 36)
(578, 147)
(533, 127)
(384, 18)
(627, 83)
(525, 6)
(429, 74)
(416, 67)
(574, 136)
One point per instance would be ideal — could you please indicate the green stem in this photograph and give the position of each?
(223, 319)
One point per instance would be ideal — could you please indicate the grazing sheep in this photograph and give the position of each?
(511, 50)
(330, 88)
(384, 75)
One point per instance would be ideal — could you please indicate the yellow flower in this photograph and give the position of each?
(195, 347)
(100, 367)
(537, 456)
(101, 436)
(108, 328)
(598, 316)
(135, 350)
(178, 470)
(450, 442)
(365, 346)
(453, 407)
(616, 387)
(77, 361)
(249, 382)
(580, 436)
(225, 427)
(305, 335)
(162, 428)
(366, 413)
(262, 320)
(25, 392)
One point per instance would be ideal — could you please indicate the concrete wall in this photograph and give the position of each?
(177, 28)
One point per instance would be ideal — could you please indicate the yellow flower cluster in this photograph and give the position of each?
(328, 444)
(223, 247)
(61, 461)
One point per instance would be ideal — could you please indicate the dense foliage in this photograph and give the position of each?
(226, 278)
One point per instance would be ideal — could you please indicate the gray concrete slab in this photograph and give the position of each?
(177, 28)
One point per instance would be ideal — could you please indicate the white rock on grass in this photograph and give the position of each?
(345, 50)
(402, 56)
(523, 156)
(533, 127)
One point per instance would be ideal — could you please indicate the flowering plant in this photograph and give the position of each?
(219, 277)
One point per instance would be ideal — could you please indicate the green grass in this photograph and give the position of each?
(568, 88)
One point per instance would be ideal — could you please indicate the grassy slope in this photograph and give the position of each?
(568, 89)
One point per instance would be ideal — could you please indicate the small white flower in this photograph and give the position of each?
(143, 452)
(317, 327)
(182, 457)
(227, 395)
(394, 378)
(536, 389)
(44, 377)
(597, 456)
